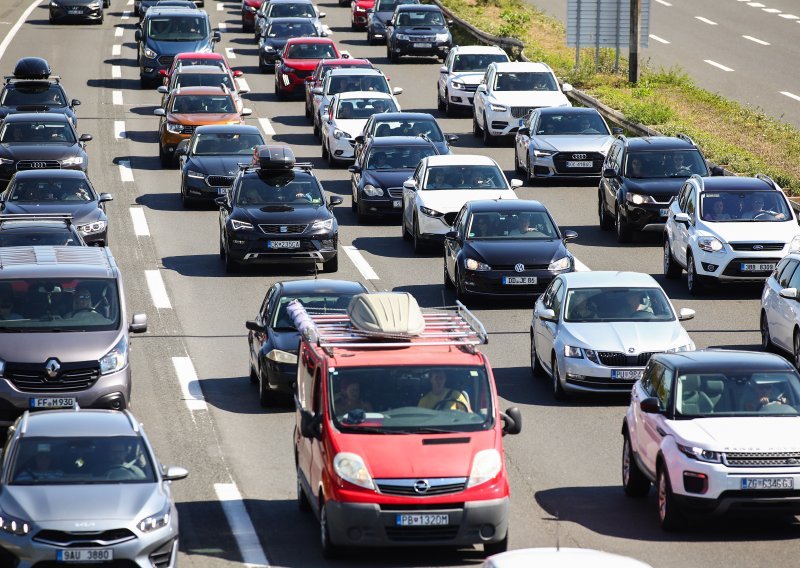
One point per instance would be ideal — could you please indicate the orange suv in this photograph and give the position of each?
(190, 107)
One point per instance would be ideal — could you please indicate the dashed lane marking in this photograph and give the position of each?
(755, 4)
(756, 40)
(15, 28)
(658, 39)
(663, 2)
(125, 171)
(119, 129)
(241, 525)
(125, 15)
(118, 32)
(791, 95)
(220, 6)
(789, 16)
(771, 10)
(266, 127)
(190, 387)
(116, 50)
(718, 65)
(360, 262)
(130, 3)
(705, 20)
(242, 82)
(158, 292)
(223, 27)
(229, 53)
(580, 267)
(116, 72)
(140, 227)
(116, 97)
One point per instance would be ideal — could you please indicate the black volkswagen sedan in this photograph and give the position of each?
(276, 212)
(505, 248)
(30, 141)
(277, 33)
(406, 124)
(210, 159)
(59, 192)
(273, 338)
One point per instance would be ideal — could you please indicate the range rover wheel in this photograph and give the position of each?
(796, 348)
(669, 514)
(633, 480)
(476, 129)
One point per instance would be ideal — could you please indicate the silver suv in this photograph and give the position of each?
(63, 331)
(85, 487)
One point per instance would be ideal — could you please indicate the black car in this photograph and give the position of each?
(38, 230)
(406, 124)
(31, 141)
(505, 247)
(276, 212)
(641, 176)
(381, 169)
(417, 30)
(78, 11)
(273, 338)
(35, 90)
(210, 159)
(380, 14)
(278, 32)
(64, 192)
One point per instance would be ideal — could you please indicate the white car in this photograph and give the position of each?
(440, 186)
(728, 229)
(462, 72)
(596, 331)
(717, 431)
(560, 558)
(509, 92)
(780, 308)
(347, 115)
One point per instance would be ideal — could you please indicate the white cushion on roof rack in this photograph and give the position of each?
(389, 313)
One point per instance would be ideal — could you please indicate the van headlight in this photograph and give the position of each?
(351, 468)
(115, 359)
(156, 521)
(149, 53)
(485, 467)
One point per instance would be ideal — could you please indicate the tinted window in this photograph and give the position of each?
(617, 304)
(409, 127)
(311, 51)
(526, 81)
(177, 28)
(737, 393)
(203, 80)
(200, 104)
(36, 133)
(476, 61)
(34, 94)
(286, 10)
(363, 108)
(212, 144)
(421, 18)
(398, 157)
(523, 225)
(572, 124)
(285, 188)
(49, 190)
(667, 163)
(291, 29)
(465, 177)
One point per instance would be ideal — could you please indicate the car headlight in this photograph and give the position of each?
(709, 244)
(174, 127)
(54, 3)
(443, 36)
(149, 53)
(688, 347)
(638, 199)
(194, 174)
(430, 212)
(89, 228)
(73, 161)
(157, 521)
(340, 134)
(591, 354)
(457, 85)
(6, 162)
(403, 37)
(573, 352)
(543, 153)
(794, 246)
(267, 47)
(322, 224)
(13, 525)
(700, 454)
(237, 225)
(561, 264)
(373, 191)
(115, 359)
(498, 108)
(351, 468)
(472, 264)
(485, 467)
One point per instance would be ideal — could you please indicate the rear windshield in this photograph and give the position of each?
(409, 127)
(178, 28)
(36, 133)
(213, 144)
(34, 94)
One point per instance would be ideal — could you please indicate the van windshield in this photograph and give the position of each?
(411, 399)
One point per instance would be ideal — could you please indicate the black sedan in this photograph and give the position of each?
(77, 10)
(210, 159)
(278, 32)
(273, 338)
(59, 192)
(31, 141)
(406, 124)
(505, 248)
(38, 230)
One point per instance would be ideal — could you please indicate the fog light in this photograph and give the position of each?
(709, 267)
(338, 152)
(455, 99)
(487, 531)
(695, 482)
(327, 243)
(237, 242)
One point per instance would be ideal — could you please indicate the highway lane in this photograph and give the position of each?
(565, 464)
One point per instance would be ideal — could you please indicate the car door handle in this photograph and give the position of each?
(660, 431)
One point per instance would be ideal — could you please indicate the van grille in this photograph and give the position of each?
(31, 377)
(437, 486)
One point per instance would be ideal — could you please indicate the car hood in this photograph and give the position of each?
(509, 252)
(81, 503)
(775, 231)
(420, 30)
(530, 98)
(224, 165)
(67, 346)
(353, 126)
(661, 187)
(741, 433)
(383, 17)
(81, 212)
(468, 77)
(175, 47)
(285, 340)
(199, 119)
(387, 178)
(641, 336)
(76, 2)
(276, 42)
(301, 64)
(44, 151)
(451, 200)
(578, 143)
(303, 214)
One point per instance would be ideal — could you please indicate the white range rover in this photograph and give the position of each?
(717, 432)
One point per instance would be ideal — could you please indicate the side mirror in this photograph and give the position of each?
(609, 173)
(310, 425)
(515, 183)
(253, 325)
(105, 197)
(481, 88)
(524, 131)
(174, 473)
(390, 22)
(443, 69)
(85, 137)
(137, 35)
(181, 150)
(75, 103)
(397, 91)
(650, 405)
(410, 184)
(243, 91)
(216, 36)
(512, 421)
(788, 293)
(316, 90)
(546, 314)
(138, 323)
(237, 73)
(160, 112)
(222, 201)
(717, 171)
(616, 130)
(321, 15)
(450, 22)
(163, 73)
(163, 89)
(566, 88)
(335, 200)
(685, 314)
(247, 111)
(450, 138)
(279, 356)
(354, 169)
(570, 236)
(682, 218)
(359, 139)
(451, 235)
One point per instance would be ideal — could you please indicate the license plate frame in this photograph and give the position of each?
(626, 374)
(520, 280)
(283, 245)
(48, 402)
(767, 483)
(422, 45)
(756, 266)
(84, 555)
(397, 203)
(579, 163)
(422, 519)
(75, 11)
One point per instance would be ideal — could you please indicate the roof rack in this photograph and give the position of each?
(66, 217)
(769, 180)
(51, 79)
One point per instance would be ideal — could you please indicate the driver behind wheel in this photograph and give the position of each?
(117, 464)
(442, 398)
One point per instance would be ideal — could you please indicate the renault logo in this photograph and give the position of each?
(519, 267)
(421, 486)
(51, 368)
(758, 247)
(284, 229)
(578, 156)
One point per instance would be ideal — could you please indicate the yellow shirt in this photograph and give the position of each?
(430, 400)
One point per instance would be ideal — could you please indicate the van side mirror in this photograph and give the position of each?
(512, 421)
(682, 218)
(138, 323)
(310, 425)
(650, 405)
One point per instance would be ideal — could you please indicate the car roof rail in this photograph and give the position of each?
(623, 138)
(23, 426)
(66, 217)
(134, 423)
(685, 138)
(769, 180)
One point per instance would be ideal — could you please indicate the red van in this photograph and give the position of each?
(398, 436)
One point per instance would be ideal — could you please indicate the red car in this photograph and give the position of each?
(249, 9)
(358, 13)
(325, 65)
(198, 58)
(298, 60)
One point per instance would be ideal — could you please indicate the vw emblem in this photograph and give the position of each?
(631, 349)
(39, 165)
(421, 486)
(578, 156)
(284, 229)
(758, 247)
(519, 267)
(51, 368)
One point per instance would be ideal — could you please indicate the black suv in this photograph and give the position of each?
(641, 176)
(417, 29)
(276, 212)
(33, 89)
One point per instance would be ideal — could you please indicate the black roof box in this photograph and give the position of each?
(32, 68)
(273, 157)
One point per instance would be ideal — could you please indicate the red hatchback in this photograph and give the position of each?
(325, 65)
(249, 9)
(359, 10)
(298, 60)
(198, 58)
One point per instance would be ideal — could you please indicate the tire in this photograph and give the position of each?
(332, 162)
(354, 205)
(449, 110)
(265, 396)
(106, 3)
(164, 158)
(404, 230)
(558, 390)
(634, 481)
(253, 375)
(672, 269)
(302, 498)
(329, 550)
(529, 177)
(439, 101)
(536, 366)
(476, 129)
(144, 82)
(796, 348)
(622, 228)
(419, 244)
(694, 283)
(100, 21)
(518, 169)
(331, 265)
(766, 338)
(488, 139)
(324, 151)
(308, 111)
(448, 284)
(498, 547)
(370, 39)
(231, 266)
(605, 220)
(461, 293)
(316, 129)
(670, 516)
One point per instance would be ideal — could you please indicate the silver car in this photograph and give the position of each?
(596, 331)
(565, 142)
(84, 487)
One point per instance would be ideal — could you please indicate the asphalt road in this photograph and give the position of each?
(738, 48)
(190, 369)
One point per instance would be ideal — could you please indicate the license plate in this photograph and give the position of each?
(663, 212)
(758, 267)
(75, 11)
(767, 483)
(84, 555)
(53, 402)
(397, 203)
(521, 122)
(581, 164)
(423, 45)
(222, 190)
(519, 279)
(627, 374)
(422, 520)
(283, 244)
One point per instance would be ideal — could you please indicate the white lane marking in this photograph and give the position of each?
(580, 267)
(756, 4)
(119, 129)
(361, 263)
(220, 6)
(190, 387)
(663, 2)
(229, 53)
(756, 40)
(125, 171)
(116, 97)
(658, 39)
(125, 15)
(116, 71)
(130, 3)
(266, 127)
(242, 82)
(241, 525)
(705, 20)
(118, 32)
(789, 16)
(158, 292)
(223, 27)
(717, 65)
(771, 10)
(116, 50)
(140, 227)
(15, 28)
(791, 95)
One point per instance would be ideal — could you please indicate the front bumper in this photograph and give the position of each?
(433, 228)
(149, 68)
(494, 282)
(76, 13)
(266, 58)
(582, 375)
(502, 123)
(342, 148)
(377, 32)
(646, 217)
(255, 249)
(196, 188)
(461, 97)
(391, 204)
(281, 376)
(727, 265)
(561, 165)
(419, 47)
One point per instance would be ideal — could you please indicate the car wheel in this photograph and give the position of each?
(633, 480)
(419, 244)
(536, 366)
(278, 92)
(144, 82)
(302, 498)
(672, 269)
(404, 230)
(253, 375)
(694, 283)
(558, 389)
(264, 392)
(529, 177)
(354, 202)
(669, 514)
(606, 221)
(361, 217)
(476, 129)
(370, 40)
(166, 159)
(498, 547)
(461, 292)
(186, 202)
(518, 169)
(622, 228)
(439, 101)
(488, 139)
(796, 348)
(308, 110)
(231, 266)
(221, 247)
(329, 550)
(324, 150)
(766, 339)
(331, 265)
(106, 3)
(317, 131)
(447, 282)
(332, 162)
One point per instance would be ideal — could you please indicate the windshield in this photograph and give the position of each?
(744, 206)
(529, 225)
(411, 399)
(287, 10)
(398, 157)
(420, 18)
(465, 177)
(390, 5)
(177, 28)
(81, 460)
(203, 80)
(313, 303)
(50, 190)
(282, 189)
(33, 94)
(669, 163)
(350, 83)
(36, 238)
(363, 108)
(36, 133)
(617, 304)
(291, 29)
(476, 61)
(59, 304)
(214, 144)
(737, 393)
(527, 81)
(571, 123)
(201, 104)
(199, 60)
(409, 127)
(311, 51)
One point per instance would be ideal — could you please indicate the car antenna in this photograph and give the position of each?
(558, 524)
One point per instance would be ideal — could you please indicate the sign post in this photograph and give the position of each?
(633, 56)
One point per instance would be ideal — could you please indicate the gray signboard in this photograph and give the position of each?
(605, 23)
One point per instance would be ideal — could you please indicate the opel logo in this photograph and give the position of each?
(631, 349)
(51, 368)
(421, 486)
(758, 247)
(519, 267)
(578, 156)
(284, 229)
(38, 165)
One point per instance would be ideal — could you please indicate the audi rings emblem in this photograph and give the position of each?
(519, 267)
(758, 247)
(38, 165)
(51, 368)
(421, 486)
(578, 156)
